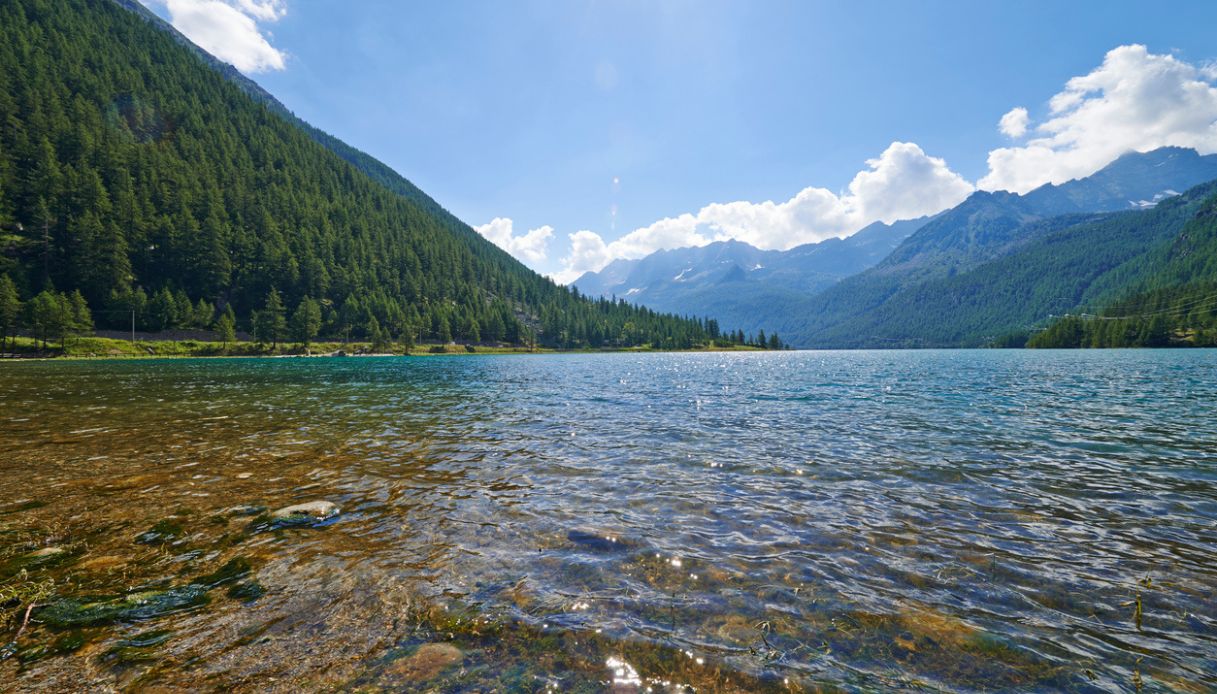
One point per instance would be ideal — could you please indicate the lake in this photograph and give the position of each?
(838, 521)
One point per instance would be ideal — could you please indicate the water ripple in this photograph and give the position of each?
(976, 520)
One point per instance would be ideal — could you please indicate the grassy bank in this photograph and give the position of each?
(109, 348)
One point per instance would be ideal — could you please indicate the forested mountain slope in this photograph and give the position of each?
(133, 170)
(374, 168)
(1171, 300)
(1070, 262)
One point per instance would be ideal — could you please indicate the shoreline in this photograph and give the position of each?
(108, 349)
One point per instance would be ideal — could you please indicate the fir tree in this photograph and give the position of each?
(10, 310)
(306, 321)
(270, 323)
(226, 327)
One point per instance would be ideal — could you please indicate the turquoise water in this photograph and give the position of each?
(962, 520)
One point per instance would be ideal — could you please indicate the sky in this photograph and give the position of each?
(574, 133)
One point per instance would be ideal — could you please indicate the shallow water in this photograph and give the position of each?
(858, 521)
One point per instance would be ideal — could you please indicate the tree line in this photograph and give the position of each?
(50, 316)
(1166, 317)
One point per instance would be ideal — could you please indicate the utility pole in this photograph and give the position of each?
(132, 328)
(46, 252)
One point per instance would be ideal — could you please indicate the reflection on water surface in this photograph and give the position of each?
(737, 522)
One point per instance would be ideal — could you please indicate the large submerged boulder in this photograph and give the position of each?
(309, 514)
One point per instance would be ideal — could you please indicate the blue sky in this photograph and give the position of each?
(686, 117)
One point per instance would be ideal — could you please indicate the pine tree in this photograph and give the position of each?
(269, 323)
(162, 310)
(226, 327)
(203, 313)
(50, 316)
(406, 338)
(81, 320)
(378, 338)
(306, 321)
(10, 310)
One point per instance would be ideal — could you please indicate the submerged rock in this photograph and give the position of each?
(246, 591)
(427, 662)
(163, 532)
(25, 505)
(245, 510)
(104, 563)
(43, 558)
(68, 643)
(46, 552)
(600, 542)
(316, 509)
(312, 513)
(137, 649)
(68, 613)
(313, 509)
(233, 570)
(91, 611)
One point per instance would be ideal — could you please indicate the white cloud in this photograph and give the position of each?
(228, 29)
(1014, 123)
(264, 10)
(531, 247)
(903, 183)
(1135, 100)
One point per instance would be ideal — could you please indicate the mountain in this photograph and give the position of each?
(873, 308)
(374, 168)
(742, 286)
(152, 179)
(1134, 180)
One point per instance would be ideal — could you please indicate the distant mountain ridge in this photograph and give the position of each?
(1134, 180)
(989, 224)
(972, 239)
(739, 284)
(805, 291)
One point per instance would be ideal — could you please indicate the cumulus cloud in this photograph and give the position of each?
(531, 247)
(902, 183)
(1014, 123)
(229, 29)
(1135, 100)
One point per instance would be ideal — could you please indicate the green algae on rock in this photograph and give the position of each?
(66, 613)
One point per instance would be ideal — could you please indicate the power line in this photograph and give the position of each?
(1173, 311)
